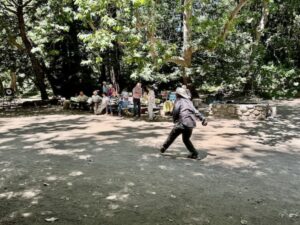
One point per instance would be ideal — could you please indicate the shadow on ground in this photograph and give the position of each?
(281, 129)
(94, 170)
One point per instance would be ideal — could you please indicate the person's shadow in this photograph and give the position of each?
(202, 155)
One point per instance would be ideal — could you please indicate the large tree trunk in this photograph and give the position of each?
(113, 78)
(116, 65)
(36, 65)
(186, 80)
(185, 60)
(187, 32)
(13, 81)
(250, 75)
(187, 46)
(110, 68)
(1, 87)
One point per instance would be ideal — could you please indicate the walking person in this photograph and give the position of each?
(184, 117)
(151, 102)
(137, 95)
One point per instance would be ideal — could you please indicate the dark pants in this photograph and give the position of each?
(82, 105)
(123, 104)
(137, 107)
(186, 135)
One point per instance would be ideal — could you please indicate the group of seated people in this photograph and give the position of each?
(109, 101)
(104, 103)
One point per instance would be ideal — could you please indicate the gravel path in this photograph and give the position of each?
(89, 170)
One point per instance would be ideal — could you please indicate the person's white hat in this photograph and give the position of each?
(182, 92)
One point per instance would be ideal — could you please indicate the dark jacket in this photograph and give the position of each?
(185, 113)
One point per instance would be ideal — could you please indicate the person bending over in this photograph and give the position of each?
(184, 118)
(103, 105)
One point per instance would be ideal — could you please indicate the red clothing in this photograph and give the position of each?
(111, 91)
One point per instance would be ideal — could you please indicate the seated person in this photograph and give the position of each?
(82, 100)
(125, 94)
(96, 100)
(164, 95)
(144, 99)
(172, 97)
(168, 106)
(111, 91)
(220, 95)
(113, 102)
(123, 103)
(104, 104)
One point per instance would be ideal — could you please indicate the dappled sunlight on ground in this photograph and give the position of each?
(52, 151)
(27, 194)
(219, 135)
(232, 143)
(90, 168)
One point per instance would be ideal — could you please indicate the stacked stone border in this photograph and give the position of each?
(240, 111)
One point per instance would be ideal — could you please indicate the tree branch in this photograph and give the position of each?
(5, 7)
(13, 42)
(178, 60)
(231, 18)
(151, 31)
(26, 3)
(15, 3)
(263, 21)
(152, 39)
(92, 26)
(188, 49)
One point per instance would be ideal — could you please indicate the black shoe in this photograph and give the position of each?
(162, 149)
(193, 156)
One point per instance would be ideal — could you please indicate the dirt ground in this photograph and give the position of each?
(90, 170)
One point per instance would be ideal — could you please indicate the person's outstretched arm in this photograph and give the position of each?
(200, 116)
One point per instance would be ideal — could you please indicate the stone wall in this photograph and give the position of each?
(239, 111)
